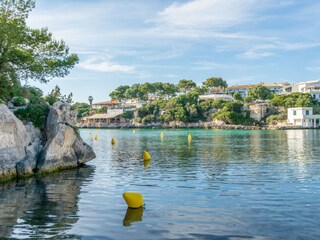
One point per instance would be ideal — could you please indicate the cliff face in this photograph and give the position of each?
(22, 152)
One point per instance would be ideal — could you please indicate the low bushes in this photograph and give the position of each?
(35, 113)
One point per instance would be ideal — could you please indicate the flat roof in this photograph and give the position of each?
(103, 115)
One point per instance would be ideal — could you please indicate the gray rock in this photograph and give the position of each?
(21, 146)
(12, 142)
(64, 147)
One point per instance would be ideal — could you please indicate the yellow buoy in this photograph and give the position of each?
(146, 156)
(95, 137)
(133, 199)
(113, 141)
(162, 135)
(90, 133)
(189, 137)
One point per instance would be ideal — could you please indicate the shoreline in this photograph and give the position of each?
(222, 127)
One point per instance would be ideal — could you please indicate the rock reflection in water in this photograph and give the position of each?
(42, 207)
(132, 215)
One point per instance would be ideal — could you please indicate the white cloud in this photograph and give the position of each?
(105, 65)
(314, 68)
(208, 13)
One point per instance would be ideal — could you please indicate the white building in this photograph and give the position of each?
(224, 97)
(312, 87)
(276, 88)
(303, 117)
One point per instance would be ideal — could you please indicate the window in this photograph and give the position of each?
(307, 112)
(294, 112)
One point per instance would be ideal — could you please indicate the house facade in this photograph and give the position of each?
(312, 87)
(303, 117)
(113, 118)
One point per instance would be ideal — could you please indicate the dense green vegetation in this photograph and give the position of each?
(30, 54)
(36, 113)
(26, 53)
(259, 92)
(83, 109)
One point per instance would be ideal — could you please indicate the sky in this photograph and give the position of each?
(123, 42)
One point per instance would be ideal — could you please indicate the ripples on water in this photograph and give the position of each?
(223, 185)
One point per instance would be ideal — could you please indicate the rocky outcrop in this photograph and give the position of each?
(64, 147)
(13, 140)
(25, 150)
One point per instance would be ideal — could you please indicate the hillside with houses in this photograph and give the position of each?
(212, 104)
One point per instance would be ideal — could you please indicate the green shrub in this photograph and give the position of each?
(128, 114)
(230, 117)
(149, 119)
(274, 119)
(35, 113)
(137, 119)
(19, 101)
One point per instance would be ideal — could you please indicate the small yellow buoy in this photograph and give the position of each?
(133, 199)
(113, 141)
(95, 137)
(146, 156)
(162, 135)
(189, 137)
(90, 133)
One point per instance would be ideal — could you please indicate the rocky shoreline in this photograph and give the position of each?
(26, 150)
(200, 125)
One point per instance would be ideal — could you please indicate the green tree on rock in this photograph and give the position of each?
(186, 85)
(119, 93)
(27, 53)
(215, 82)
(260, 92)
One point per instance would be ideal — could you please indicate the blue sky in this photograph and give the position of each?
(136, 41)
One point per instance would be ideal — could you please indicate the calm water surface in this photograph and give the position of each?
(223, 185)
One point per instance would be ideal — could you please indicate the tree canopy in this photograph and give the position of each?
(260, 92)
(215, 82)
(27, 53)
(186, 85)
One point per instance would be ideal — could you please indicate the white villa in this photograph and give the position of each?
(276, 88)
(312, 87)
(224, 97)
(303, 117)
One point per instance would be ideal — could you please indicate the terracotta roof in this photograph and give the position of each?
(107, 103)
(103, 116)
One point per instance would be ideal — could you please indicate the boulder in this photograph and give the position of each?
(25, 150)
(13, 140)
(64, 147)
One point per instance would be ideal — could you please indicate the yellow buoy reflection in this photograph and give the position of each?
(146, 156)
(132, 215)
(133, 199)
(146, 163)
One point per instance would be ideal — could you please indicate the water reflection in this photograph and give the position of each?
(43, 206)
(132, 215)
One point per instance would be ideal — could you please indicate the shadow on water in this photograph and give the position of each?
(42, 207)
